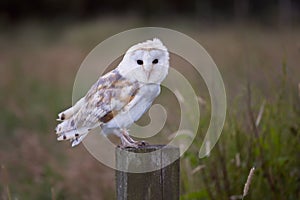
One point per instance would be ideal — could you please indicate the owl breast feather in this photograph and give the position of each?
(142, 102)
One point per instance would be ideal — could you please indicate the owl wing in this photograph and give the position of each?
(103, 101)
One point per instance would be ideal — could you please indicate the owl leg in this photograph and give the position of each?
(127, 141)
(126, 134)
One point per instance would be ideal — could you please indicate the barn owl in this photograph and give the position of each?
(120, 97)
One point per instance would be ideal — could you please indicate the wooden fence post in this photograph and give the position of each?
(161, 184)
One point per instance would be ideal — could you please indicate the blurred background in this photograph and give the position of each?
(255, 44)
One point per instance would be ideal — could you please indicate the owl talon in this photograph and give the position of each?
(142, 143)
(126, 146)
(135, 144)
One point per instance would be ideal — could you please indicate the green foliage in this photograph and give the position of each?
(274, 153)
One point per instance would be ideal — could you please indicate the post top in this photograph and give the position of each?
(147, 148)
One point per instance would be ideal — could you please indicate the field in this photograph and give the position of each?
(260, 68)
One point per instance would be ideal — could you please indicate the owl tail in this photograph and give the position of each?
(67, 130)
(77, 140)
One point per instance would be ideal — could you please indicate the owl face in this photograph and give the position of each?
(146, 62)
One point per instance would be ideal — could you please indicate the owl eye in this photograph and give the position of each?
(155, 61)
(139, 62)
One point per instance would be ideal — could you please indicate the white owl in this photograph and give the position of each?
(120, 97)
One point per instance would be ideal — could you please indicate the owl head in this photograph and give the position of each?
(146, 62)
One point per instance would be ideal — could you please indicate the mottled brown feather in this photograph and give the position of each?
(107, 117)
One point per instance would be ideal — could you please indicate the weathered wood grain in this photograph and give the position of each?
(161, 184)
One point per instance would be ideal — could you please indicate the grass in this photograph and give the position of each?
(271, 146)
(259, 66)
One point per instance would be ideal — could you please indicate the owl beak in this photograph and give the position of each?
(148, 75)
(148, 69)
